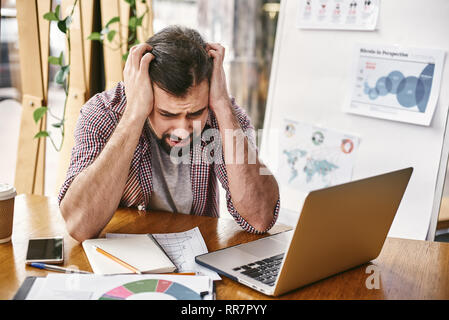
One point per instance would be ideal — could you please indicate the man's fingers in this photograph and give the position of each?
(129, 60)
(145, 62)
(217, 47)
(137, 52)
(218, 59)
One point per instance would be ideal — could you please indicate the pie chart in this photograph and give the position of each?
(151, 289)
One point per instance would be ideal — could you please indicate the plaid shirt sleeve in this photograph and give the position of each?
(220, 170)
(90, 138)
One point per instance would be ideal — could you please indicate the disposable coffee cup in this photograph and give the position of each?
(7, 195)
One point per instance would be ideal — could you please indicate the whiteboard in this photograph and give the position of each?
(310, 81)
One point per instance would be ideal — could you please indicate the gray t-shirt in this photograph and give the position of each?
(172, 187)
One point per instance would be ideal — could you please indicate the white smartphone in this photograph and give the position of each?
(45, 250)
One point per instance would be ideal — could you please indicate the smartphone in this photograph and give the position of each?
(45, 250)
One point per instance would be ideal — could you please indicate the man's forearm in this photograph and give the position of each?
(254, 195)
(95, 193)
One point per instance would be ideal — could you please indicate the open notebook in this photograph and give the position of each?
(140, 251)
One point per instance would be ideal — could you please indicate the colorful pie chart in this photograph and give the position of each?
(151, 289)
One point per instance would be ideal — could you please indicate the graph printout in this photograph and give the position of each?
(396, 83)
(182, 247)
(338, 14)
(314, 157)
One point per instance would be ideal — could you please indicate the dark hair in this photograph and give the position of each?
(181, 60)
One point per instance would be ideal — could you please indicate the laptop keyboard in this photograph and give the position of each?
(265, 270)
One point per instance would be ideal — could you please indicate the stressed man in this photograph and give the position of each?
(162, 138)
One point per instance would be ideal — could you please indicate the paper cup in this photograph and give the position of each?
(7, 195)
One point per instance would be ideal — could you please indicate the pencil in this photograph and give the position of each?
(121, 262)
(181, 273)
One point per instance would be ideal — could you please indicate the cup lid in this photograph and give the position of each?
(7, 191)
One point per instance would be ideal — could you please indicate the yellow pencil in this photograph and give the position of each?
(181, 273)
(123, 263)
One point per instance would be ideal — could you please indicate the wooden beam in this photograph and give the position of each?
(146, 30)
(124, 13)
(29, 48)
(30, 151)
(87, 14)
(43, 6)
(113, 63)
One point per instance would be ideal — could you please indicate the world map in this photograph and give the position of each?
(313, 157)
(312, 167)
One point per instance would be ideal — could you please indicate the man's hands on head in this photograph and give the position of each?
(95, 193)
(218, 92)
(254, 196)
(138, 86)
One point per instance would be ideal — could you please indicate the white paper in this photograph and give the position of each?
(182, 248)
(312, 158)
(338, 14)
(395, 83)
(94, 287)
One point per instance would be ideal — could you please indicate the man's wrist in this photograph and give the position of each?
(224, 114)
(132, 118)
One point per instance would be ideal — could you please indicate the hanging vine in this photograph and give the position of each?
(62, 76)
(134, 22)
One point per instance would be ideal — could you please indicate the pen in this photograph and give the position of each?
(121, 262)
(56, 268)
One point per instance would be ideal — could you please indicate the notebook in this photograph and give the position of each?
(140, 251)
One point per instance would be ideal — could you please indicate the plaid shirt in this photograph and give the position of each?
(97, 121)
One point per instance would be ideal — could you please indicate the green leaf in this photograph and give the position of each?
(60, 58)
(57, 125)
(125, 56)
(41, 134)
(62, 26)
(54, 60)
(139, 20)
(113, 20)
(61, 75)
(57, 11)
(39, 113)
(51, 16)
(111, 35)
(132, 23)
(95, 36)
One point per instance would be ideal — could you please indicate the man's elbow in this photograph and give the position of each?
(77, 233)
(263, 224)
(73, 220)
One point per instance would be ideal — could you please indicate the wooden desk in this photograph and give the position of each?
(409, 269)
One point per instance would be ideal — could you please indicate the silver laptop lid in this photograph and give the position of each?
(341, 227)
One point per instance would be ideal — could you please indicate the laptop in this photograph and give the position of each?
(340, 227)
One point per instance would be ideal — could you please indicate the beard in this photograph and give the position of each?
(184, 144)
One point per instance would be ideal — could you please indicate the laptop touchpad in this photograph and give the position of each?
(263, 248)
